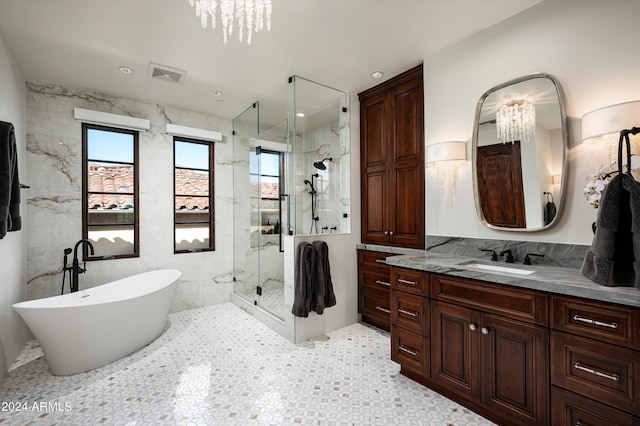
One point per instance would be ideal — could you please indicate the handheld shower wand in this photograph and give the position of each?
(65, 268)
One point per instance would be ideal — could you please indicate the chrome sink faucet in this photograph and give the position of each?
(76, 270)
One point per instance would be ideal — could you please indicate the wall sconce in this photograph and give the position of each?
(446, 158)
(604, 125)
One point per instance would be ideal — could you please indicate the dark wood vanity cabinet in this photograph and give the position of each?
(488, 346)
(374, 285)
(515, 355)
(392, 161)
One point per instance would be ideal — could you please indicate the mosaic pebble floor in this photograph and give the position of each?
(219, 366)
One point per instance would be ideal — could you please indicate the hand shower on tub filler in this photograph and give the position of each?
(75, 269)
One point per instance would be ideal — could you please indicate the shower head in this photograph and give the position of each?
(320, 164)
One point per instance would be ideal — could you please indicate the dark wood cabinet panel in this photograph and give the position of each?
(410, 350)
(410, 281)
(569, 409)
(601, 321)
(600, 371)
(392, 161)
(374, 283)
(411, 312)
(515, 365)
(455, 361)
(522, 304)
(374, 131)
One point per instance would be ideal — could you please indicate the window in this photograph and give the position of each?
(267, 178)
(110, 191)
(193, 195)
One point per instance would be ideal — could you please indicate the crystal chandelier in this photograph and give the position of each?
(251, 12)
(516, 121)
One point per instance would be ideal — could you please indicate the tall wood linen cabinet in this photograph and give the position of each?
(392, 161)
(392, 179)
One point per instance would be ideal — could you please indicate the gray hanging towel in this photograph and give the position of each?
(305, 269)
(323, 295)
(612, 257)
(9, 184)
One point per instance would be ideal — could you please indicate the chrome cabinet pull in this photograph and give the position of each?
(485, 330)
(380, 308)
(410, 352)
(391, 233)
(400, 280)
(613, 377)
(381, 261)
(383, 283)
(472, 327)
(613, 325)
(413, 314)
(386, 232)
(578, 423)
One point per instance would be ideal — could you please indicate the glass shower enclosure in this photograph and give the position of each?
(259, 210)
(290, 178)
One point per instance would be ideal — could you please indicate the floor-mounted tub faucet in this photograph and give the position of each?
(76, 270)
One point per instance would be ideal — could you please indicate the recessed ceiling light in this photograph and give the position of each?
(377, 74)
(300, 114)
(125, 70)
(216, 93)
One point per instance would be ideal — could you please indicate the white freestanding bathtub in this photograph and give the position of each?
(90, 328)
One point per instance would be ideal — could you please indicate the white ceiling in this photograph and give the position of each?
(81, 44)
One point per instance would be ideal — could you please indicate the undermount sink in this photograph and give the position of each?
(496, 269)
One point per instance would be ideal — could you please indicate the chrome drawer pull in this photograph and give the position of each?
(413, 314)
(613, 325)
(383, 283)
(613, 377)
(472, 327)
(380, 308)
(400, 280)
(410, 352)
(381, 261)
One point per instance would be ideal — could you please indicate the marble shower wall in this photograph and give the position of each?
(326, 140)
(54, 154)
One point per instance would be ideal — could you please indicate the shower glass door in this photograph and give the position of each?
(258, 177)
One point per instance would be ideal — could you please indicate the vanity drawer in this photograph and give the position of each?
(609, 323)
(569, 409)
(516, 303)
(410, 280)
(373, 258)
(410, 311)
(603, 372)
(410, 350)
(376, 309)
(373, 278)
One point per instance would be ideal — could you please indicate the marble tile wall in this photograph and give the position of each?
(54, 200)
(326, 140)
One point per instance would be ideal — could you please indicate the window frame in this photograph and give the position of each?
(211, 210)
(85, 190)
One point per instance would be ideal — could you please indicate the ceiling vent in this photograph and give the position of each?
(165, 73)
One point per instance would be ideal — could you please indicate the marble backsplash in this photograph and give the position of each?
(564, 255)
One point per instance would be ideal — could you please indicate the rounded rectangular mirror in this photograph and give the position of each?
(519, 154)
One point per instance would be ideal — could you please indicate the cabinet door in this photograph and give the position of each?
(454, 348)
(374, 147)
(406, 192)
(515, 365)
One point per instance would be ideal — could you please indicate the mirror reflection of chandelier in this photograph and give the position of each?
(516, 121)
(253, 13)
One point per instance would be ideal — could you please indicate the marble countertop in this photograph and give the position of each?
(553, 279)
